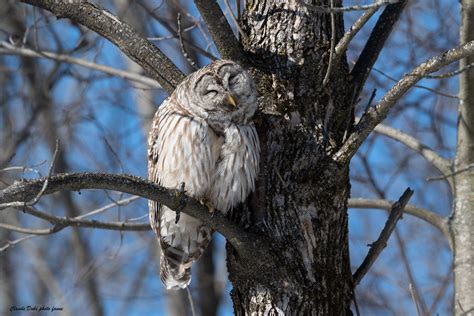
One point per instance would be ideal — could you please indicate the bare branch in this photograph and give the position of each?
(109, 206)
(451, 74)
(46, 182)
(415, 297)
(352, 32)
(333, 45)
(127, 39)
(437, 221)
(23, 230)
(242, 241)
(62, 222)
(451, 174)
(418, 85)
(191, 303)
(377, 114)
(227, 44)
(234, 18)
(443, 165)
(12, 243)
(324, 9)
(377, 247)
(181, 43)
(8, 49)
(40, 192)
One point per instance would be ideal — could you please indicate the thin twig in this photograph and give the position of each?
(381, 242)
(109, 206)
(450, 74)
(40, 193)
(191, 303)
(12, 243)
(372, 97)
(183, 49)
(63, 222)
(467, 313)
(460, 306)
(419, 86)
(333, 44)
(356, 305)
(341, 47)
(226, 43)
(444, 286)
(443, 165)
(167, 37)
(23, 230)
(326, 9)
(414, 297)
(23, 169)
(50, 171)
(451, 174)
(442, 290)
(234, 18)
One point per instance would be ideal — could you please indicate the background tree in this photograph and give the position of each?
(61, 81)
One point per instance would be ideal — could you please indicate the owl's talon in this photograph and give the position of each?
(209, 206)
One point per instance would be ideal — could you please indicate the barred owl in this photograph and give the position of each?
(202, 136)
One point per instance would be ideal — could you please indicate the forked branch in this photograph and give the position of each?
(375, 115)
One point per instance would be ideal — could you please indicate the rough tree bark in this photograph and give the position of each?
(463, 217)
(301, 201)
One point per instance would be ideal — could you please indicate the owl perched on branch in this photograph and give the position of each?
(202, 136)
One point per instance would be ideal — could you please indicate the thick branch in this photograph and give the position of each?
(127, 39)
(437, 221)
(381, 242)
(227, 44)
(382, 30)
(242, 241)
(377, 114)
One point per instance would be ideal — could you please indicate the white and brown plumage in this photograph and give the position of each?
(202, 136)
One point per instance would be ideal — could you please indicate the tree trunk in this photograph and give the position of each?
(463, 219)
(301, 199)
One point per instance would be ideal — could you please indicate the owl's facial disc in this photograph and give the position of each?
(217, 95)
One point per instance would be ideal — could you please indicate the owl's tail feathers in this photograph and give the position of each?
(173, 274)
(175, 263)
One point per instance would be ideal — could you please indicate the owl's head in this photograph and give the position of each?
(221, 93)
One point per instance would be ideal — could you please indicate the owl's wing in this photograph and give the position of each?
(238, 167)
(153, 145)
(180, 149)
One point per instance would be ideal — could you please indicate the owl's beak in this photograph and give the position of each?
(231, 100)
